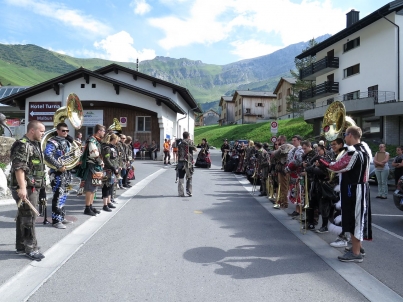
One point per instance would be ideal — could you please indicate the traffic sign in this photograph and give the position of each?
(273, 139)
(43, 111)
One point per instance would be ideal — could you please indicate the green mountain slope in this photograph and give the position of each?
(28, 65)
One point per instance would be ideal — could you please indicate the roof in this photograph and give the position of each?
(282, 80)
(371, 18)
(211, 110)
(184, 92)
(268, 94)
(9, 90)
(225, 99)
(19, 98)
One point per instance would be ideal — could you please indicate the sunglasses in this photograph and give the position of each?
(65, 131)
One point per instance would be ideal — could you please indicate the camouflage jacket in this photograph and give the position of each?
(185, 150)
(110, 156)
(27, 155)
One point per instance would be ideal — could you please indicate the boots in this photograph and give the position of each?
(181, 191)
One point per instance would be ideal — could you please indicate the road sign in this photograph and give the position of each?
(123, 121)
(273, 139)
(274, 127)
(42, 111)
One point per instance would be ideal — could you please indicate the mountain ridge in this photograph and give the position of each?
(28, 65)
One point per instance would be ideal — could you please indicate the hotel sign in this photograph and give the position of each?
(42, 111)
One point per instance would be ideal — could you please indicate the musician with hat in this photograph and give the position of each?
(225, 148)
(185, 164)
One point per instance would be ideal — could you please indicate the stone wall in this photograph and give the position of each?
(5, 146)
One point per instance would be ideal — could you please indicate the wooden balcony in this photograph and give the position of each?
(319, 68)
(319, 91)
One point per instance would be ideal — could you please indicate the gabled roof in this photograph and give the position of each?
(19, 98)
(282, 80)
(251, 93)
(184, 92)
(225, 99)
(375, 16)
(211, 110)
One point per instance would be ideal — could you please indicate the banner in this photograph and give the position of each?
(93, 117)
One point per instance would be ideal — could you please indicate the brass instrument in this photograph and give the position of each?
(270, 187)
(73, 111)
(335, 122)
(116, 126)
(277, 204)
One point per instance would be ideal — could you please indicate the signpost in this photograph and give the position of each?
(273, 139)
(43, 111)
(274, 127)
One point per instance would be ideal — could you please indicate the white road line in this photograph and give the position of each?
(33, 276)
(365, 283)
(387, 215)
(386, 231)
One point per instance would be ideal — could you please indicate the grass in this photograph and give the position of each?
(257, 132)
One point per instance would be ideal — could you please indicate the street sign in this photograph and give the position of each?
(274, 127)
(42, 111)
(273, 139)
(123, 121)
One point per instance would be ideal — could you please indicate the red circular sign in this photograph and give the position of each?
(273, 139)
(274, 124)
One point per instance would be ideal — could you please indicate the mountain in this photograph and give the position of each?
(27, 65)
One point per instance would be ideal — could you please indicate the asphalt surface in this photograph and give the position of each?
(221, 244)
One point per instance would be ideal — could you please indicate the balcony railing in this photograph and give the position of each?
(318, 68)
(380, 97)
(319, 91)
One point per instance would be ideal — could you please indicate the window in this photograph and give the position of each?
(373, 92)
(247, 110)
(240, 101)
(351, 96)
(143, 123)
(259, 115)
(239, 112)
(351, 70)
(280, 95)
(236, 113)
(288, 91)
(279, 108)
(259, 105)
(351, 44)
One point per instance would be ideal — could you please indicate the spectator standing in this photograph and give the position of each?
(381, 162)
(167, 155)
(398, 164)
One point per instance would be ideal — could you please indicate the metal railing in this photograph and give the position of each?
(324, 88)
(380, 97)
(326, 62)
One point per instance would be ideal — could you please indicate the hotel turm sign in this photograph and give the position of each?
(43, 111)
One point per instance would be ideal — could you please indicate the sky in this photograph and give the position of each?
(213, 31)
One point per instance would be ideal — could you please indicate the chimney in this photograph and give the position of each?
(352, 17)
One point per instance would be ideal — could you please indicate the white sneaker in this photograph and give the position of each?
(339, 243)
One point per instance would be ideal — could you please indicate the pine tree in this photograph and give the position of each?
(293, 104)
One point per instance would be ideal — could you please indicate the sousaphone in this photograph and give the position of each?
(73, 111)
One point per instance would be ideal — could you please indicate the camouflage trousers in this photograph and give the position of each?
(184, 169)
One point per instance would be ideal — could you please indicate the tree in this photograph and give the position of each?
(273, 111)
(293, 103)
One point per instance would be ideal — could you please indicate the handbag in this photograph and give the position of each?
(328, 192)
(97, 178)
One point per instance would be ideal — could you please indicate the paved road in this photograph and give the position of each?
(222, 244)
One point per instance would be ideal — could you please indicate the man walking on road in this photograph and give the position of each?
(185, 164)
(353, 167)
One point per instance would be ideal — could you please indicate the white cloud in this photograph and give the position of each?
(60, 12)
(252, 48)
(119, 47)
(141, 7)
(211, 21)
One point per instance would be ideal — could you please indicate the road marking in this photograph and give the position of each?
(387, 215)
(360, 279)
(386, 231)
(198, 212)
(23, 285)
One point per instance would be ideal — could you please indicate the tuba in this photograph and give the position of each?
(116, 126)
(335, 122)
(73, 111)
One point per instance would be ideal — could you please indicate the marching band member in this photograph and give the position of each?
(281, 156)
(60, 178)
(225, 148)
(293, 168)
(111, 169)
(307, 157)
(263, 167)
(185, 164)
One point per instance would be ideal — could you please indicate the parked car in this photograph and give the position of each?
(398, 195)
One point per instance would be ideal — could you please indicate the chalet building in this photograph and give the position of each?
(210, 117)
(253, 106)
(284, 89)
(361, 66)
(227, 106)
(148, 108)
